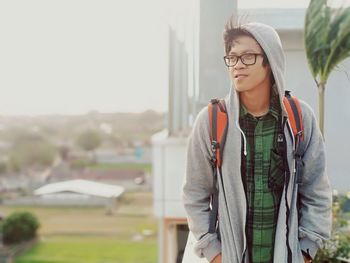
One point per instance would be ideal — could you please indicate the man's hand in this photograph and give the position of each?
(217, 259)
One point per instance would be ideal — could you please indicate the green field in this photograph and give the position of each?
(90, 249)
(89, 235)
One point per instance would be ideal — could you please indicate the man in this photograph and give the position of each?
(265, 213)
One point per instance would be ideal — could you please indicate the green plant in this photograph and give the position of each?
(18, 227)
(339, 244)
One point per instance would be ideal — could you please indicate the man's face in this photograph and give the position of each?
(248, 77)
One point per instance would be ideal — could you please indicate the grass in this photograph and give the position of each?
(89, 235)
(90, 249)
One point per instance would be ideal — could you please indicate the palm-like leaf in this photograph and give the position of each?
(327, 43)
(339, 38)
(316, 44)
(327, 38)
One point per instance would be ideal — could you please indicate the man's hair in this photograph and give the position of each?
(232, 31)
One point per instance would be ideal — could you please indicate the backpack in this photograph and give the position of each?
(218, 120)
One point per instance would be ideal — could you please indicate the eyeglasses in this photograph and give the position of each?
(247, 59)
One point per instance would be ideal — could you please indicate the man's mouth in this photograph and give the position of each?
(240, 76)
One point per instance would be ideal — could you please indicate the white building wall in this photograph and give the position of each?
(169, 160)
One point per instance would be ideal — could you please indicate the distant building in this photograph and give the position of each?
(79, 192)
(14, 181)
(130, 179)
(136, 154)
(72, 193)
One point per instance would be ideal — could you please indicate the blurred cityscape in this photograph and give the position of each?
(43, 149)
(86, 177)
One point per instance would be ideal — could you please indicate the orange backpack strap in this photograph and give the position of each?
(296, 121)
(294, 116)
(218, 129)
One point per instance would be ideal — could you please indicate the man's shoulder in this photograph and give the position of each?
(309, 120)
(306, 110)
(200, 127)
(202, 119)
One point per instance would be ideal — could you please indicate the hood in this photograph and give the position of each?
(270, 42)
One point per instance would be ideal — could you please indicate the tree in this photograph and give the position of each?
(89, 141)
(19, 226)
(29, 151)
(327, 43)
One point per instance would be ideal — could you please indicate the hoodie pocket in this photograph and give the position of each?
(276, 171)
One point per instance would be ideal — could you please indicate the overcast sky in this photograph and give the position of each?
(72, 56)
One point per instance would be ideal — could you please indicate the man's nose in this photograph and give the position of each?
(239, 64)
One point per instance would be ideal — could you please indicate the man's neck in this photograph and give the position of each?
(256, 101)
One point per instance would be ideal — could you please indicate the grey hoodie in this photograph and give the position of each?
(308, 226)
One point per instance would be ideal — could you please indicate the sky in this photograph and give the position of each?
(69, 57)
(73, 56)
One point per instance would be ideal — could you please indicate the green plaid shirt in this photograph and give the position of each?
(263, 179)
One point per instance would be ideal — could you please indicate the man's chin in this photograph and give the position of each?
(239, 88)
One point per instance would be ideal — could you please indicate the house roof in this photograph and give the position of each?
(81, 187)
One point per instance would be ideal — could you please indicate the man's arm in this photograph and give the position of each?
(197, 188)
(314, 191)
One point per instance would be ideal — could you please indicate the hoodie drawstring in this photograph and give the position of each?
(244, 138)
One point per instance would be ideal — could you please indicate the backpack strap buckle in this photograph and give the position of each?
(214, 101)
(214, 146)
